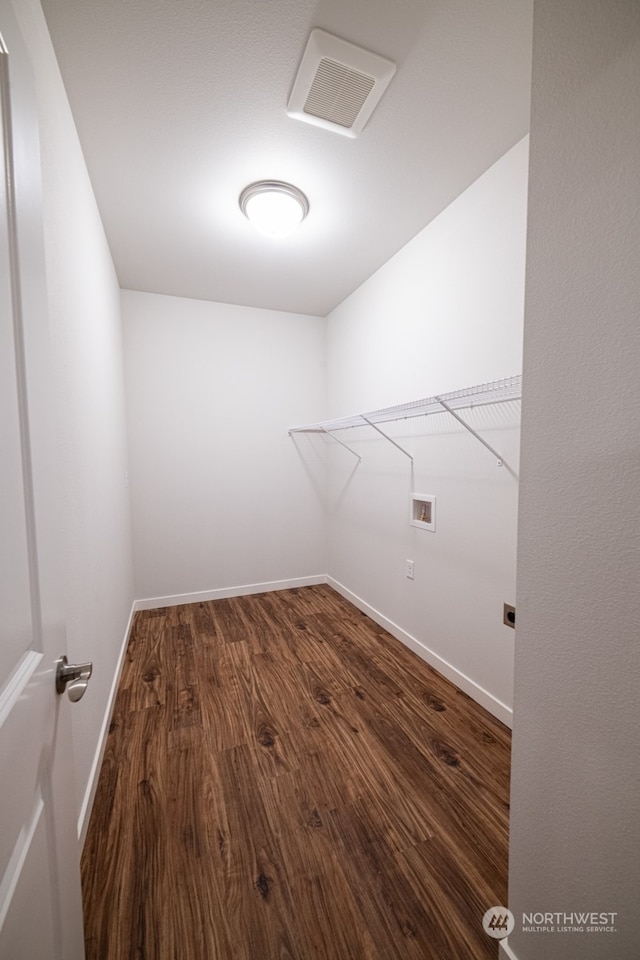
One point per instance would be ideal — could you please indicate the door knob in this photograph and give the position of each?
(72, 677)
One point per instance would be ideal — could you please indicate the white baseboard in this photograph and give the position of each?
(92, 785)
(152, 603)
(506, 953)
(499, 710)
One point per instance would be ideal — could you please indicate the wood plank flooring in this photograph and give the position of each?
(283, 780)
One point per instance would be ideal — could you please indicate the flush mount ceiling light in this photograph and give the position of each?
(273, 207)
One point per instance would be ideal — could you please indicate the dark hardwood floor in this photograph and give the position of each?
(284, 780)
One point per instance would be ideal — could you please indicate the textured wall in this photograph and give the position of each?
(575, 829)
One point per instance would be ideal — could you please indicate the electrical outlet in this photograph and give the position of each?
(410, 569)
(509, 615)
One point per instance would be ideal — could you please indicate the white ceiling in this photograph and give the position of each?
(181, 103)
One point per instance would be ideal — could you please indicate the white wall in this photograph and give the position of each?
(220, 494)
(445, 313)
(84, 313)
(575, 829)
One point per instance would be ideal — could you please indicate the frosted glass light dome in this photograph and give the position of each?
(273, 207)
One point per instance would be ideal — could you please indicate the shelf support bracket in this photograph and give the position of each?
(457, 417)
(341, 442)
(387, 437)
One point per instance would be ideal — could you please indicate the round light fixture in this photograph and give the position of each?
(273, 207)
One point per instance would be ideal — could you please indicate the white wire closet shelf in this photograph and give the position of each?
(497, 391)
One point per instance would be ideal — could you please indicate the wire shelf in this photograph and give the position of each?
(497, 391)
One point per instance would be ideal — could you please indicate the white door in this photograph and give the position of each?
(40, 905)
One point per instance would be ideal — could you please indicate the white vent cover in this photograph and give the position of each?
(338, 85)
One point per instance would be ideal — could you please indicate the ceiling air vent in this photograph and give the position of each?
(338, 85)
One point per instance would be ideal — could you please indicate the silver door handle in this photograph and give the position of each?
(72, 677)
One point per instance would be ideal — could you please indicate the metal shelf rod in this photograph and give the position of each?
(471, 430)
(341, 442)
(375, 427)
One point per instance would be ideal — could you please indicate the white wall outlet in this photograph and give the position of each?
(410, 569)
